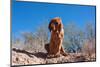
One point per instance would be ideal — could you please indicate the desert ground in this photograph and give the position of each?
(23, 57)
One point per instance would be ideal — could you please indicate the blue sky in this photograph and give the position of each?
(27, 16)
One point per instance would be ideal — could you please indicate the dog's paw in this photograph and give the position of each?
(64, 54)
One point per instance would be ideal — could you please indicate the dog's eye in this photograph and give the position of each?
(55, 23)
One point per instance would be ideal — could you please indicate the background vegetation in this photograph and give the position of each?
(76, 40)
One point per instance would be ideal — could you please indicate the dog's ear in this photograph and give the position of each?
(60, 27)
(51, 26)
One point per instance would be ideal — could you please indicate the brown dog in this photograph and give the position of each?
(57, 34)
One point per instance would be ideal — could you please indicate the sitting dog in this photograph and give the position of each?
(54, 48)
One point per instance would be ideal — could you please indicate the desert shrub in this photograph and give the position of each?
(32, 41)
(73, 38)
(89, 48)
(17, 43)
(35, 41)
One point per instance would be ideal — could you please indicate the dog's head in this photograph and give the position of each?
(55, 24)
